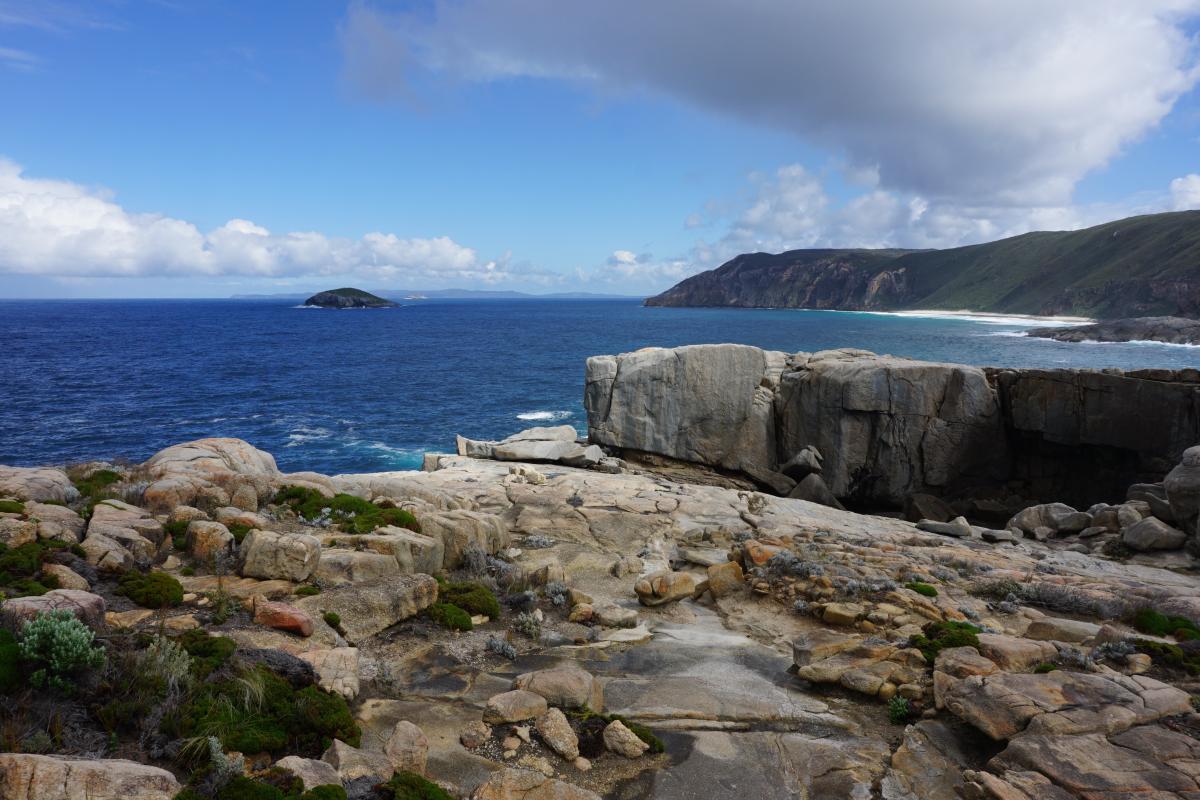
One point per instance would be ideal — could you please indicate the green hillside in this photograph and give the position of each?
(1147, 265)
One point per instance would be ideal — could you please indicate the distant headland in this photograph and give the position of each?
(348, 298)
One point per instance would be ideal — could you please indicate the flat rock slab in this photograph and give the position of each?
(701, 671)
(1148, 761)
(757, 764)
(1060, 702)
(372, 606)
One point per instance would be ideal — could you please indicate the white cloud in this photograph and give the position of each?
(18, 59)
(1185, 192)
(984, 103)
(61, 229)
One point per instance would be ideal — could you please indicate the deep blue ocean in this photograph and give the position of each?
(368, 390)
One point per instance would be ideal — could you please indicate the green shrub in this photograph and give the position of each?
(410, 786)
(239, 530)
(1169, 656)
(95, 488)
(187, 571)
(178, 532)
(207, 652)
(329, 791)
(1155, 623)
(595, 721)
(474, 598)
(60, 646)
(25, 563)
(27, 587)
(1045, 667)
(450, 616)
(307, 591)
(922, 588)
(12, 507)
(351, 514)
(939, 636)
(137, 681)
(151, 590)
(10, 667)
(332, 619)
(188, 793)
(242, 788)
(258, 711)
(899, 710)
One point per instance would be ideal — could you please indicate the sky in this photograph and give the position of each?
(163, 148)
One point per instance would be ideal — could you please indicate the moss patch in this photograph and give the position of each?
(207, 652)
(151, 590)
(474, 598)
(349, 513)
(450, 616)
(939, 636)
(258, 711)
(1155, 623)
(12, 507)
(410, 786)
(922, 588)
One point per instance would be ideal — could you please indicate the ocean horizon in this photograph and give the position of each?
(376, 389)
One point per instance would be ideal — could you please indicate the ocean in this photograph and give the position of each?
(372, 390)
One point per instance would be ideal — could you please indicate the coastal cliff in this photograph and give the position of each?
(889, 428)
(1140, 266)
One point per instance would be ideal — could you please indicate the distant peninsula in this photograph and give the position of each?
(1137, 267)
(348, 298)
(1171, 330)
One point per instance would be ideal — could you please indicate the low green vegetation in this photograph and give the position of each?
(140, 676)
(922, 588)
(308, 591)
(150, 590)
(1170, 656)
(450, 616)
(21, 568)
(257, 711)
(899, 710)
(474, 598)
(411, 786)
(12, 507)
(96, 488)
(177, 530)
(239, 530)
(207, 652)
(1045, 667)
(10, 667)
(1156, 623)
(58, 648)
(332, 619)
(591, 726)
(938, 636)
(349, 513)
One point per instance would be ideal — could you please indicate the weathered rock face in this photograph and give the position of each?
(705, 403)
(208, 473)
(36, 483)
(32, 777)
(369, 607)
(888, 428)
(88, 608)
(292, 557)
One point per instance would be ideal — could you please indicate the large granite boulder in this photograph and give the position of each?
(460, 530)
(209, 473)
(525, 784)
(129, 526)
(31, 777)
(40, 484)
(369, 607)
(710, 404)
(889, 427)
(88, 608)
(286, 556)
(1182, 486)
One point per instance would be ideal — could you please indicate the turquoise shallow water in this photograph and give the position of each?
(340, 391)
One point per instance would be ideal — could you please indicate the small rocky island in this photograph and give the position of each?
(1169, 330)
(348, 298)
(677, 605)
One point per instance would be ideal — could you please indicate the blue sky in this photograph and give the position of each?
(171, 149)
